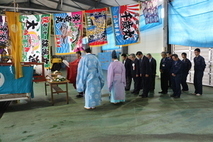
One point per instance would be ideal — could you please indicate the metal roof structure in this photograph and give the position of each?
(58, 6)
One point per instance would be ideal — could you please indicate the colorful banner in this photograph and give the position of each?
(150, 11)
(144, 26)
(126, 23)
(110, 40)
(68, 32)
(45, 39)
(15, 33)
(3, 30)
(31, 27)
(96, 27)
(36, 38)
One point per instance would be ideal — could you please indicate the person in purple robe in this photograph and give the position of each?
(116, 80)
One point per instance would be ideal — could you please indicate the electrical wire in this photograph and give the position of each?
(117, 2)
(77, 4)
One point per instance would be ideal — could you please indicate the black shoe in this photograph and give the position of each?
(127, 89)
(185, 90)
(176, 97)
(172, 95)
(136, 93)
(162, 92)
(144, 96)
(133, 92)
(79, 96)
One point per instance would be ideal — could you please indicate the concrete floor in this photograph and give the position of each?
(156, 119)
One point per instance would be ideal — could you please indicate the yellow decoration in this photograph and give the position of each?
(14, 26)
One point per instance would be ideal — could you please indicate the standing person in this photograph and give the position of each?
(128, 64)
(165, 73)
(134, 71)
(176, 75)
(152, 65)
(144, 73)
(72, 72)
(116, 80)
(169, 56)
(186, 67)
(199, 68)
(90, 79)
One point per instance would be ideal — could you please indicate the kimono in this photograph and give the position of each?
(116, 80)
(90, 80)
(72, 71)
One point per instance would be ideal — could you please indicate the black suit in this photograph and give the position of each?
(165, 66)
(170, 79)
(128, 66)
(185, 71)
(176, 69)
(145, 70)
(135, 71)
(199, 68)
(152, 65)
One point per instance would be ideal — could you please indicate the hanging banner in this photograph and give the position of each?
(68, 32)
(110, 40)
(3, 30)
(36, 38)
(150, 11)
(126, 23)
(144, 26)
(96, 27)
(15, 33)
(31, 27)
(45, 39)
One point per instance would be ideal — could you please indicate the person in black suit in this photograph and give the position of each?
(169, 56)
(152, 65)
(165, 66)
(186, 67)
(144, 73)
(134, 71)
(176, 76)
(199, 68)
(128, 65)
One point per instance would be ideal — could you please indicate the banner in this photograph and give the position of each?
(14, 26)
(68, 32)
(111, 40)
(10, 85)
(96, 27)
(144, 26)
(105, 59)
(126, 23)
(3, 30)
(31, 27)
(150, 11)
(36, 38)
(45, 39)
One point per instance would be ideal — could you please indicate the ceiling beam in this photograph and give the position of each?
(67, 4)
(34, 7)
(59, 6)
(92, 3)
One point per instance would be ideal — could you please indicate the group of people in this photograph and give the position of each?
(137, 67)
(174, 73)
(142, 69)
